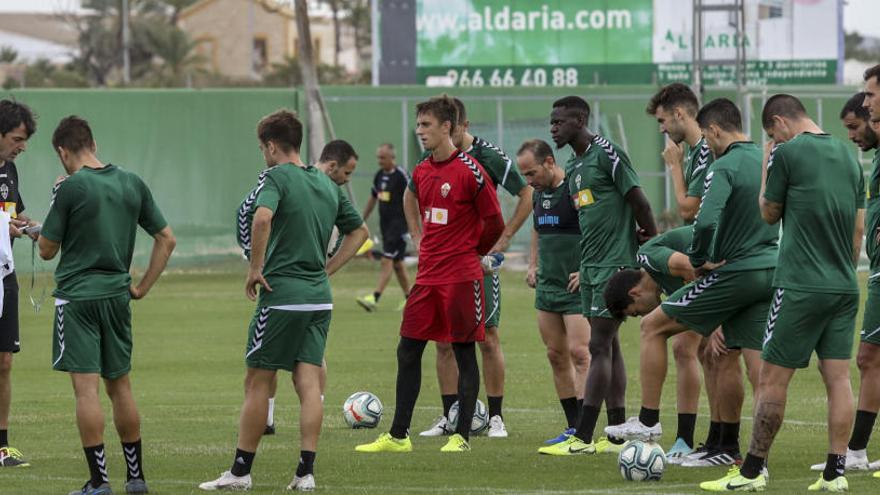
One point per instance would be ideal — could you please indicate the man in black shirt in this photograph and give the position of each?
(16, 127)
(388, 187)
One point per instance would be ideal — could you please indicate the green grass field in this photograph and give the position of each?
(188, 369)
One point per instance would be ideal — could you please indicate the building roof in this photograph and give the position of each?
(48, 27)
(268, 5)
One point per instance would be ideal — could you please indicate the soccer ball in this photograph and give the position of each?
(479, 424)
(362, 410)
(641, 461)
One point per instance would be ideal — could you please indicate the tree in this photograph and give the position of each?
(176, 49)
(854, 48)
(335, 6)
(8, 54)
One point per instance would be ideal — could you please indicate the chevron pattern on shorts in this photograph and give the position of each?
(475, 169)
(695, 291)
(478, 301)
(59, 323)
(259, 330)
(775, 307)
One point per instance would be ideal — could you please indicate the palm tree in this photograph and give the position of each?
(8, 54)
(177, 51)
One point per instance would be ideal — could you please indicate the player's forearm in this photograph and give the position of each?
(412, 214)
(259, 241)
(48, 249)
(492, 228)
(163, 245)
(371, 203)
(350, 244)
(858, 236)
(533, 250)
(642, 211)
(678, 186)
(520, 214)
(680, 266)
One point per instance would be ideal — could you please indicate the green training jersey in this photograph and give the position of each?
(820, 187)
(872, 216)
(654, 256)
(556, 222)
(698, 160)
(598, 181)
(729, 226)
(94, 215)
(306, 205)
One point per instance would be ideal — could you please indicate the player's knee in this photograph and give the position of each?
(556, 358)
(683, 352)
(491, 344)
(600, 347)
(868, 358)
(580, 356)
(5, 363)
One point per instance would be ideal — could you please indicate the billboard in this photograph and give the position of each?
(566, 43)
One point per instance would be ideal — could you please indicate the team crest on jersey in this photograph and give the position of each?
(4, 191)
(444, 189)
(546, 204)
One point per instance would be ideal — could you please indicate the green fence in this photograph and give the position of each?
(198, 151)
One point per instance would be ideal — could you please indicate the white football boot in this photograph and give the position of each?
(438, 429)
(304, 484)
(496, 427)
(856, 460)
(228, 481)
(634, 429)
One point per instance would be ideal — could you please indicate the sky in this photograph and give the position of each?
(859, 15)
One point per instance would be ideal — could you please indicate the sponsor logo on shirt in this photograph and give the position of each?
(384, 196)
(439, 216)
(584, 197)
(8, 207)
(551, 220)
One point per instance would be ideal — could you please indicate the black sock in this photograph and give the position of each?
(306, 463)
(495, 405)
(858, 441)
(377, 295)
(97, 465)
(649, 417)
(134, 460)
(580, 404)
(834, 467)
(4, 438)
(243, 462)
(686, 424)
(751, 467)
(448, 401)
(570, 407)
(714, 436)
(615, 415)
(409, 381)
(587, 423)
(468, 385)
(729, 438)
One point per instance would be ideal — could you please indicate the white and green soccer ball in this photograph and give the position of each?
(642, 461)
(479, 424)
(362, 410)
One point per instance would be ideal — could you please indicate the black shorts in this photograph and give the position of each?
(9, 320)
(394, 247)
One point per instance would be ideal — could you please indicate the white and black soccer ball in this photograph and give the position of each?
(479, 424)
(642, 461)
(362, 410)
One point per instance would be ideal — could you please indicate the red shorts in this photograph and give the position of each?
(445, 313)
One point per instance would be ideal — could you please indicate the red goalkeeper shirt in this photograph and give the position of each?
(455, 196)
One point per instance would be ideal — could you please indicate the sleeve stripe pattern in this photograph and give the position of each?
(502, 154)
(703, 160)
(706, 185)
(475, 169)
(770, 158)
(645, 262)
(245, 214)
(55, 191)
(609, 150)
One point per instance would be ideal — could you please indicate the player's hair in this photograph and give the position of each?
(854, 106)
(338, 151)
(873, 72)
(462, 111)
(442, 107)
(574, 104)
(721, 112)
(782, 105)
(283, 128)
(617, 289)
(73, 134)
(538, 148)
(674, 95)
(14, 114)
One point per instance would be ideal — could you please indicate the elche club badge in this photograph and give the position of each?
(444, 189)
(546, 204)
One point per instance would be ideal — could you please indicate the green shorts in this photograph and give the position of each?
(736, 301)
(557, 301)
(801, 322)
(492, 291)
(593, 281)
(93, 336)
(279, 338)
(871, 320)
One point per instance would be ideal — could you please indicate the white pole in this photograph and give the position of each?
(126, 61)
(376, 41)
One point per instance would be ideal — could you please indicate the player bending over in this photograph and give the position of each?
(452, 197)
(92, 221)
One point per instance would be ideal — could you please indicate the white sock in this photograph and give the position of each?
(270, 419)
(322, 398)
